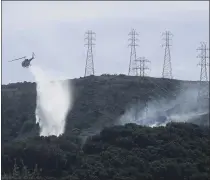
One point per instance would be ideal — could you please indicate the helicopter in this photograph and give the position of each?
(26, 62)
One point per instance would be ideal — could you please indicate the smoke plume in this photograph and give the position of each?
(54, 100)
(159, 112)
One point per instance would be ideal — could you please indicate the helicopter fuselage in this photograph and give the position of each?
(26, 63)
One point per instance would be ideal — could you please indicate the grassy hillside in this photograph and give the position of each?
(177, 151)
(98, 101)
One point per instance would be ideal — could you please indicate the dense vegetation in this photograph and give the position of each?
(177, 151)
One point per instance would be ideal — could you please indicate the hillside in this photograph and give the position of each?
(121, 152)
(99, 101)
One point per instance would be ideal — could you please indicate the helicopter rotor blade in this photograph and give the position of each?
(17, 59)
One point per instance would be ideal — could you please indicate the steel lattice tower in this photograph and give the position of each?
(140, 71)
(133, 45)
(89, 67)
(167, 69)
(141, 66)
(203, 92)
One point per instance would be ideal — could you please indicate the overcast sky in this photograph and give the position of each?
(55, 32)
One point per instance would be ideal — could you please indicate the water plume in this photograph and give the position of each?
(54, 100)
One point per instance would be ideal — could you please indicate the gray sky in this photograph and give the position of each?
(55, 32)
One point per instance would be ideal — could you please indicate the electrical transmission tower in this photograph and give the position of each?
(140, 71)
(132, 71)
(203, 92)
(167, 69)
(141, 66)
(89, 67)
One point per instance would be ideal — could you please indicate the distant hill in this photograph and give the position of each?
(99, 101)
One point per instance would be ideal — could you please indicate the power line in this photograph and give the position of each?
(167, 69)
(89, 67)
(141, 66)
(203, 92)
(133, 45)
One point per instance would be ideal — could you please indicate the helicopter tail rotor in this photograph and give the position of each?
(33, 55)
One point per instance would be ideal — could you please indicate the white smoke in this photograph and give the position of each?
(160, 112)
(54, 100)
